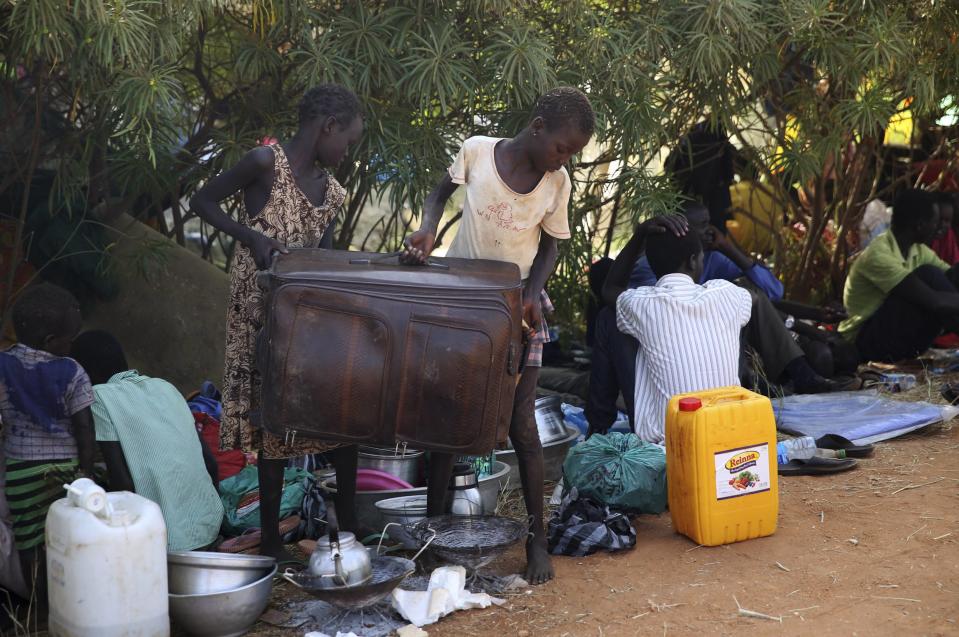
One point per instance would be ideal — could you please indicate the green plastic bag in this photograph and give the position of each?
(619, 470)
(241, 498)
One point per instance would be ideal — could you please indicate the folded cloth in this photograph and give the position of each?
(207, 400)
(582, 527)
(228, 462)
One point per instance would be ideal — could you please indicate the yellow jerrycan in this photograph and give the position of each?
(721, 466)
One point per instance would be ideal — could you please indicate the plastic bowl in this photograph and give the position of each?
(373, 480)
(193, 572)
(225, 614)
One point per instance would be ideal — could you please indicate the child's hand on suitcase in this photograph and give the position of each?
(532, 312)
(263, 248)
(418, 246)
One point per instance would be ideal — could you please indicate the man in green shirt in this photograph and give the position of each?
(147, 435)
(899, 294)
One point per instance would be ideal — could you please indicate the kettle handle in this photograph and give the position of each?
(334, 531)
(333, 526)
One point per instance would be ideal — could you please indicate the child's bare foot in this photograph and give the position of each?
(539, 567)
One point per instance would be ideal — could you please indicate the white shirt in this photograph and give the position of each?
(688, 341)
(499, 223)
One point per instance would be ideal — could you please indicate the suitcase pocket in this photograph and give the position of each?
(445, 383)
(333, 367)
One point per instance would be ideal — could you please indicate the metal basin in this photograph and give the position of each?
(407, 465)
(369, 516)
(388, 573)
(554, 455)
(401, 511)
(192, 572)
(225, 614)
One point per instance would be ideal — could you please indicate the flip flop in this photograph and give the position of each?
(249, 539)
(950, 392)
(816, 466)
(248, 542)
(834, 441)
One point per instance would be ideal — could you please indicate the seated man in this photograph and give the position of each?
(899, 294)
(147, 435)
(781, 357)
(688, 333)
(945, 243)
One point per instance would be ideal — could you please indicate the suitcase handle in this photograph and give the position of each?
(396, 255)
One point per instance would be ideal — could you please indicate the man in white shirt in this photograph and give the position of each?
(689, 334)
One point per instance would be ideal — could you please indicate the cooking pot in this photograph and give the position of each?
(549, 419)
(405, 464)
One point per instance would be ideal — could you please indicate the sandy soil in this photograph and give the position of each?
(871, 552)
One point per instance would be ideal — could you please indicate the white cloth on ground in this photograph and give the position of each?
(445, 594)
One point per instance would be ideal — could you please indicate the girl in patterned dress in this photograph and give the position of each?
(290, 201)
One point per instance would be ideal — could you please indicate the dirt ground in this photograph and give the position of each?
(871, 552)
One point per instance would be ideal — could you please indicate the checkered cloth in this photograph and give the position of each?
(581, 527)
(540, 336)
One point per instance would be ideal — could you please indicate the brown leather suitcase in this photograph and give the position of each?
(358, 348)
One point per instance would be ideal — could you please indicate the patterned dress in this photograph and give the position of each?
(291, 219)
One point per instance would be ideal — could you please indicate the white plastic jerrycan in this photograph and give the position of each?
(106, 565)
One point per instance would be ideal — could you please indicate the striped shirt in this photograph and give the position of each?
(688, 341)
(154, 426)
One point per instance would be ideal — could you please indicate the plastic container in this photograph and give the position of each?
(896, 383)
(802, 448)
(721, 465)
(107, 572)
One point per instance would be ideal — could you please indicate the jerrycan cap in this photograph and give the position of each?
(690, 404)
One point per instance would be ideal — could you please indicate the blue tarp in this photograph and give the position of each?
(863, 417)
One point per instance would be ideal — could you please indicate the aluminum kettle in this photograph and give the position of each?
(339, 559)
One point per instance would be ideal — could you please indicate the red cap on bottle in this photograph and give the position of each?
(690, 404)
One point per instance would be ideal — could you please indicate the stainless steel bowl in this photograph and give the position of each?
(407, 465)
(192, 572)
(225, 614)
(554, 455)
(407, 509)
(549, 419)
(369, 516)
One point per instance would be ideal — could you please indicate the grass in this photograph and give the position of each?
(25, 620)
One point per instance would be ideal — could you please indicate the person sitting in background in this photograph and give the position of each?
(45, 400)
(945, 244)
(722, 259)
(782, 358)
(688, 334)
(899, 294)
(146, 433)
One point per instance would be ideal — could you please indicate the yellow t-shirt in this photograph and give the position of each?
(874, 274)
(501, 224)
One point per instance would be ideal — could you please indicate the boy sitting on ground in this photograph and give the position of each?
(147, 435)
(689, 334)
(45, 401)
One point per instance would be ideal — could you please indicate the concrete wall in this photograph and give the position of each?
(170, 315)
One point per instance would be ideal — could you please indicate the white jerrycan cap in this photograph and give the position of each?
(87, 494)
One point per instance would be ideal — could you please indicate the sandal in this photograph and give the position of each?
(837, 442)
(248, 542)
(816, 466)
(249, 539)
